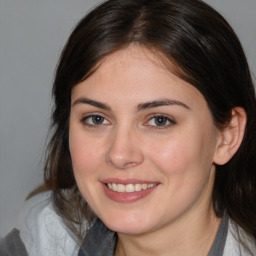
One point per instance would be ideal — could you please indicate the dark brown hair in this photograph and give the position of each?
(208, 55)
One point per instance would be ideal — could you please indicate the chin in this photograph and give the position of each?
(127, 229)
(127, 224)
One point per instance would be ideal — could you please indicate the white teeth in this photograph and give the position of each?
(121, 188)
(129, 188)
(144, 186)
(114, 187)
(137, 187)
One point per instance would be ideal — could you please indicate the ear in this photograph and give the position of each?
(230, 137)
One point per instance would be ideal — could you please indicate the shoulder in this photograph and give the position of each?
(42, 231)
(238, 242)
(12, 245)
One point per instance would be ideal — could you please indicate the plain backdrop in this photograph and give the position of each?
(32, 34)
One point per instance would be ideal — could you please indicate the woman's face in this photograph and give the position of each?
(142, 143)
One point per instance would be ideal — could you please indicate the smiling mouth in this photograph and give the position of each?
(129, 188)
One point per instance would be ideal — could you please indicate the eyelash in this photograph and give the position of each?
(166, 118)
(84, 120)
(170, 121)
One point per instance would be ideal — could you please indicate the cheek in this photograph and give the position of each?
(182, 154)
(84, 152)
(171, 153)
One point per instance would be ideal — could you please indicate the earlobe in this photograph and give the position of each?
(230, 138)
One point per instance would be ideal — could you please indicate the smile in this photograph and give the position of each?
(129, 188)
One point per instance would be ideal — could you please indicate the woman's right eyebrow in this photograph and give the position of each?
(92, 103)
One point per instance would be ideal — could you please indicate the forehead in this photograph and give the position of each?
(136, 74)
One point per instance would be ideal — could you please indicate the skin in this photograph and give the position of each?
(129, 144)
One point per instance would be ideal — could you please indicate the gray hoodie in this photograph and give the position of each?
(41, 232)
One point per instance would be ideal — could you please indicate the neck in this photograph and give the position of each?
(186, 237)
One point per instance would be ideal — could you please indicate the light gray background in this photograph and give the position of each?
(32, 34)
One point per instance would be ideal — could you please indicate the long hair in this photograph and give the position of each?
(207, 54)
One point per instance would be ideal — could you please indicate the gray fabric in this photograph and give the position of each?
(12, 245)
(100, 241)
(220, 239)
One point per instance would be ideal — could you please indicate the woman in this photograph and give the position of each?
(153, 149)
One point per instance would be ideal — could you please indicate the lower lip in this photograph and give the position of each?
(127, 197)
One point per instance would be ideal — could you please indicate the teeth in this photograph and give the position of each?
(129, 188)
(120, 188)
(144, 186)
(114, 187)
(137, 187)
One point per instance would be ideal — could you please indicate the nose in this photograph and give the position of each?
(124, 150)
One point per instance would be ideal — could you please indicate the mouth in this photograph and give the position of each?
(129, 188)
(128, 191)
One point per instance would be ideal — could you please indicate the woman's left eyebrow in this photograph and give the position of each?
(159, 103)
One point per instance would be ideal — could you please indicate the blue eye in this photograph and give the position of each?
(161, 121)
(94, 120)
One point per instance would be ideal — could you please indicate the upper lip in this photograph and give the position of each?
(128, 181)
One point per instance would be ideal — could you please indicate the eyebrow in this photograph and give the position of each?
(159, 103)
(92, 102)
(140, 107)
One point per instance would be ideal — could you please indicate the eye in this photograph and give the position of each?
(160, 121)
(94, 120)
